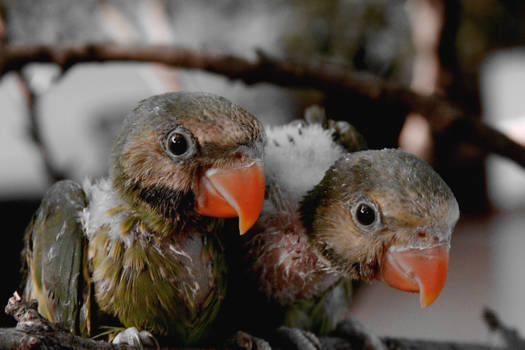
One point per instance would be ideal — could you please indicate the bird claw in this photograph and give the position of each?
(244, 341)
(356, 332)
(281, 338)
(140, 340)
(346, 135)
(343, 132)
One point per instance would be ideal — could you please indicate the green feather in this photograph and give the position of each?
(151, 261)
(320, 315)
(145, 289)
(55, 254)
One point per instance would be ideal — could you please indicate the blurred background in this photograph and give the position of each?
(58, 125)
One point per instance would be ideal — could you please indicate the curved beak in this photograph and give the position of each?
(422, 270)
(234, 192)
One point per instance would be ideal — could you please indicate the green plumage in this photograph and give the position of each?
(147, 289)
(130, 250)
(141, 285)
(321, 314)
(55, 251)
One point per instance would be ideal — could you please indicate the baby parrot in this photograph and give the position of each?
(333, 216)
(142, 245)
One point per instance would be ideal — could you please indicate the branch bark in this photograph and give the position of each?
(33, 331)
(444, 116)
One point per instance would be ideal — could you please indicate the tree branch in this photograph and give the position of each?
(509, 335)
(35, 132)
(443, 115)
(33, 331)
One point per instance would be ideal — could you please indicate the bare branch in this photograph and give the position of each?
(33, 331)
(408, 344)
(35, 133)
(443, 115)
(510, 335)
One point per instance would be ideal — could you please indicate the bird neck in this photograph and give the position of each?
(164, 211)
(308, 208)
(157, 223)
(124, 212)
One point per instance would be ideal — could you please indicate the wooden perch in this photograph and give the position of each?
(33, 331)
(443, 115)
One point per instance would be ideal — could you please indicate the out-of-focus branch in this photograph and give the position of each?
(443, 115)
(435, 30)
(32, 111)
(3, 29)
(509, 335)
(427, 22)
(35, 132)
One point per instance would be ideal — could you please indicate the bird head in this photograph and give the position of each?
(384, 214)
(181, 154)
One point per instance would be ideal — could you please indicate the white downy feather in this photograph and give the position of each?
(296, 159)
(102, 197)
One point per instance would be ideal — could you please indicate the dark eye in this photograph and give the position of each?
(365, 214)
(178, 143)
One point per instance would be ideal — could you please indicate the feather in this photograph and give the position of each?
(331, 216)
(142, 240)
(296, 159)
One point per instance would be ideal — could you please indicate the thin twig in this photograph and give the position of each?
(35, 132)
(510, 335)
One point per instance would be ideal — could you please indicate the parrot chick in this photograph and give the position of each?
(141, 246)
(383, 215)
(331, 217)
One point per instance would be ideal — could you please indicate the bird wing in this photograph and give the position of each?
(55, 257)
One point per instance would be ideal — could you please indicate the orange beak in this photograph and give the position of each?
(417, 270)
(229, 193)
